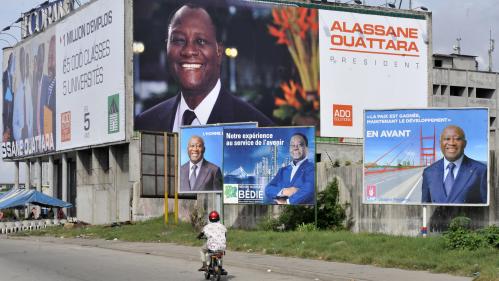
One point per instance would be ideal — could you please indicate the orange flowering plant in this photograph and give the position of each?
(297, 28)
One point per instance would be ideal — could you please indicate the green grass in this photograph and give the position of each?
(342, 246)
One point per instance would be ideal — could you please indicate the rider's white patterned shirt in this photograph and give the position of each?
(215, 234)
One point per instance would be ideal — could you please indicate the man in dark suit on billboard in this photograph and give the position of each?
(194, 55)
(295, 183)
(198, 174)
(456, 178)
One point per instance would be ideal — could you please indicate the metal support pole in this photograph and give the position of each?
(176, 150)
(165, 176)
(64, 179)
(424, 228)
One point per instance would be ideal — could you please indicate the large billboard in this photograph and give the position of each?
(64, 88)
(91, 76)
(369, 61)
(269, 166)
(426, 156)
(29, 97)
(201, 157)
(230, 61)
(264, 62)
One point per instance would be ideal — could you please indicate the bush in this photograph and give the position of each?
(268, 224)
(491, 235)
(294, 215)
(462, 239)
(460, 236)
(460, 223)
(330, 213)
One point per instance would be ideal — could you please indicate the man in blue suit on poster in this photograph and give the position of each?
(295, 183)
(455, 178)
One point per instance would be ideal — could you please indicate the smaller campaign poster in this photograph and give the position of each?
(426, 156)
(201, 158)
(269, 166)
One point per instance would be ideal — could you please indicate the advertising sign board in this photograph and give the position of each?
(426, 156)
(269, 166)
(29, 97)
(201, 157)
(91, 76)
(369, 61)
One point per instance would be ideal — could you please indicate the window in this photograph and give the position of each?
(456, 91)
(482, 93)
(153, 166)
(436, 90)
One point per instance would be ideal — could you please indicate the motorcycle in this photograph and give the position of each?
(215, 265)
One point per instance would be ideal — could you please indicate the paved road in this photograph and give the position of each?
(54, 259)
(404, 185)
(25, 260)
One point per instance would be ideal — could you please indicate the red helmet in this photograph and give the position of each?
(214, 216)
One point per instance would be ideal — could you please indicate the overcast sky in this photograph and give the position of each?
(470, 20)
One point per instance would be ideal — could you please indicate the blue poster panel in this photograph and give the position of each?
(269, 166)
(426, 157)
(201, 158)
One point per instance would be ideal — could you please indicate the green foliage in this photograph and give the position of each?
(336, 163)
(268, 224)
(330, 213)
(293, 215)
(348, 163)
(460, 222)
(463, 239)
(491, 235)
(306, 227)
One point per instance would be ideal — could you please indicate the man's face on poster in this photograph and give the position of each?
(297, 148)
(195, 149)
(452, 143)
(193, 53)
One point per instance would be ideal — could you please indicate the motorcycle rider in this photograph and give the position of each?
(215, 233)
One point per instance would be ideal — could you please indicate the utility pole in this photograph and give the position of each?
(491, 49)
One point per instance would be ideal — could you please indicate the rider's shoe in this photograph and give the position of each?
(203, 268)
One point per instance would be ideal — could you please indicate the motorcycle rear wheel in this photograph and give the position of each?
(217, 274)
